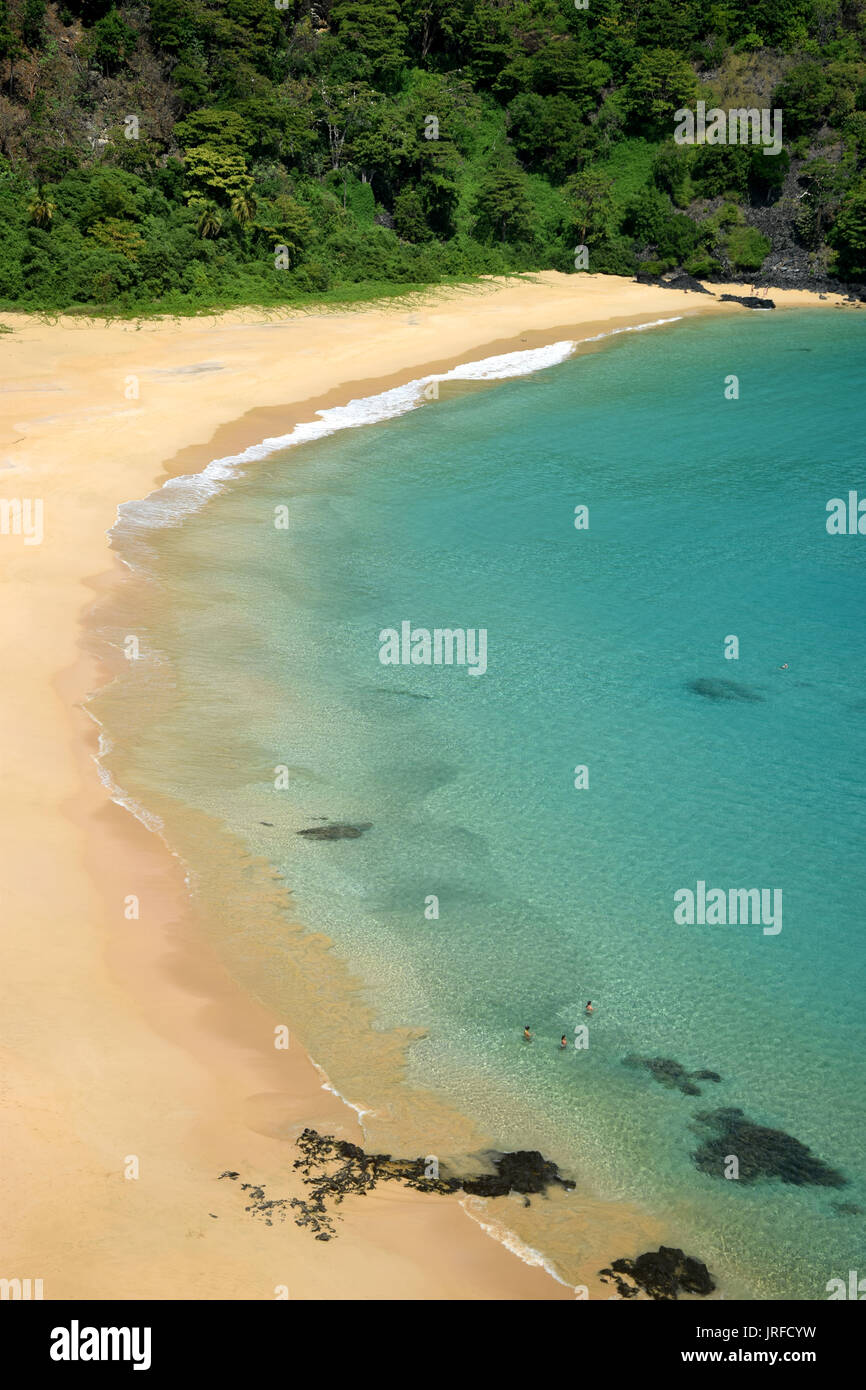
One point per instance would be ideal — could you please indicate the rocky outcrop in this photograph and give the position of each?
(662, 1273)
(525, 1170)
(333, 1169)
(673, 280)
(748, 301)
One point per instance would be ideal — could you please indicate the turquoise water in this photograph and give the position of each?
(706, 520)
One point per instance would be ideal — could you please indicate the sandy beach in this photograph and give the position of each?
(125, 1045)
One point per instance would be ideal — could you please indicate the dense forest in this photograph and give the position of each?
(184, 154)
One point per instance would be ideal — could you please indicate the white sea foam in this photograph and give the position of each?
(117, 794)
(527, 1253)
(327, 1085)
(630, 328)
(180, 496)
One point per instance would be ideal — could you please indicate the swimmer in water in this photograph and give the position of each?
(784, 666)
(526, 1034)
(589, 1006)
(563, 1041)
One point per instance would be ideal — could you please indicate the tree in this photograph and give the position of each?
(243, 208)
(502, 209)
(547, 132)
(111, 42)
(848, 236)
(747, 248)
(434, 28)
(10, 44)
(721, 169)
(107, 193)
(410, 219)
(118, 235)
(214, 175)
(590, 202)
(660, 83)
(804, 96)
(342, 110)
(32, 23)
(374, 33)
(646, 216)
(284, 222)
(41, 209)
(670, 171)
(210, 221)
(226, 131)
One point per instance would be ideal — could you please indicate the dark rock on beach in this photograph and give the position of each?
(333, 1169)
(673, 280)
(336, 832)
(672, 1074)
(662, 1273)
(749, 301)
(716, 688)
(760, 1152)
(525, 1170)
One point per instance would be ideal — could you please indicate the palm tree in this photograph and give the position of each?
(41, 209)
(210, 221)
(243, 208)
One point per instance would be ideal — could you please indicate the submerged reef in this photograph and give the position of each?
(672, 1074)
(661, 1273)
(716, 688)
(334, 1169)
(336, 832)
(760, 1152)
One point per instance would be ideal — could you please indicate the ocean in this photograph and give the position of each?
(673, 698)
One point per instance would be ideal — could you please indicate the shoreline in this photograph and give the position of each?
(122, 1015)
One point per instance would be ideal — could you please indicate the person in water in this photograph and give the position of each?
(589, 1006)
(563, 1041)
(526, 1033)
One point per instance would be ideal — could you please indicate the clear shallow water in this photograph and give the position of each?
(707, 518)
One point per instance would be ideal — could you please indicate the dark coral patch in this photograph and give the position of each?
(672, 1074)
(336, 832)
(719, 689)
(760, 1152)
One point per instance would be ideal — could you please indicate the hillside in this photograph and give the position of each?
(196, 153)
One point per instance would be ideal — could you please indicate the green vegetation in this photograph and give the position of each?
(189, 154)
